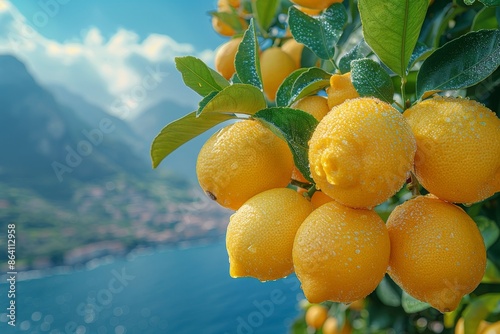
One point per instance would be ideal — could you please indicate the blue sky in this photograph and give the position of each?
(184, 21)
(103, 50)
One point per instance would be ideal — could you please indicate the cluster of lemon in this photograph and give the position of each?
(361, 153)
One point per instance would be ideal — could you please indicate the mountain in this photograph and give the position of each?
(43, 142)
(74, 184)
(149, 123)
(91, 113)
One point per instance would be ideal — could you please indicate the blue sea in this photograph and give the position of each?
(181, 291)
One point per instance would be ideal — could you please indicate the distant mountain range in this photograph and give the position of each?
(72, 174)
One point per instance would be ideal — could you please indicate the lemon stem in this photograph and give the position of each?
(403, 92)
(414, 185)
(311, 191)
(300, 184)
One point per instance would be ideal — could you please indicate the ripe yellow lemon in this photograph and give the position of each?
(341, 89)
(315, 4)
(317, 106)
(494, 328)
(260, 234)
(340, 254)
(458, 154)
(293, 49)
(275, 66)
(316, 316)
(437, 252)
(459, 327)
(361, 152)
(319, 198)
(242, 160)
(331, 326)
(224, 57)
(227, 6)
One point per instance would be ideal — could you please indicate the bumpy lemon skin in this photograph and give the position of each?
(340, 254)
(261, 233)
(361, 153)
(437, 252)
(341, 89)
(458, 154)
(242, 160)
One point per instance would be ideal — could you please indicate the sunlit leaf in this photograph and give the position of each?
(370, 79)
(181, 131)
(198, 76)
(478, 310)
(246, 61)
(460, 63)
(237, 98)
(320, 33)
(296, 128)
(264, 12)
(391, 28)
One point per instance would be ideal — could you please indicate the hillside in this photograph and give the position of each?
(77, 188)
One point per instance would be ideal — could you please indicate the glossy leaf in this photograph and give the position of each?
(492, 274)
(264, 12)
(412, 305)
(246, 61)
(296, 128)
(198, 76)
(493, 3)
(309, 82)
(237, 98)
(284, 93)
(370, 79)
(387, 293)
(320, 33)
(391, 28)
(460, 63)
(489, 230)
(485, 19)
(478, 310)
(420, 52)
(361, 50)
(181, 131)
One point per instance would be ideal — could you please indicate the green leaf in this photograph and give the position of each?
(370, 79)
(237, 98)
(321, 33)
(412, 305)
(485, 19)
(492, 274)
(296, 128)
(420, 52)
(469, 2)
(361, 50)
(478, 310)
(264, 12)
(460, 63)
(198, 76)
(284, 93)
(492, 3)
(387, 293)
(231, 18)
(181, 131)
(489, 230)
(246, 61)
(391, 28)
(310, 81)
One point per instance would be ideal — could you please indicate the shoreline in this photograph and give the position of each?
(91, 264)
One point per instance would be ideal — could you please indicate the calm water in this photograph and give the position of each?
(184, 291)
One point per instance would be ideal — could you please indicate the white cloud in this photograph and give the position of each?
(100, 70)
